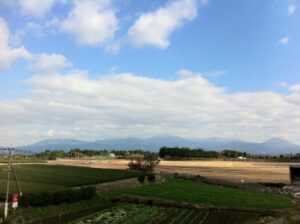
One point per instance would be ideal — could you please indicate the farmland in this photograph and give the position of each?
(201, 193)
(40, 178)
(177, 190)
(32, 214)
(125, 213)
(132, 213)
(234, 171)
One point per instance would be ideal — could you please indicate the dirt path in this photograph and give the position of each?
(126, 183)
(108, 186)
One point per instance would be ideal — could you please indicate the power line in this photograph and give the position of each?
(9, 170)
(7, 183)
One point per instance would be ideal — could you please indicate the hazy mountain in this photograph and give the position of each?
(270, 146)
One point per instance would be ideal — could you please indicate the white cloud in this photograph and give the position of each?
(155, 28)
(50, 63)
(295, 96)
(291, 9)
(295, 88)
(9, 54)
(284, 40)
(74, 105)
(38, 29)
(36, 8)
(91, 22)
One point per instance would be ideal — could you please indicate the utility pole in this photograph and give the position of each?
(7, 183)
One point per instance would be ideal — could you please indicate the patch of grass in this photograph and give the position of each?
(125, 214)
(202, 193)
(40, 178)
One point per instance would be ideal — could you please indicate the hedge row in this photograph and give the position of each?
(58, 197)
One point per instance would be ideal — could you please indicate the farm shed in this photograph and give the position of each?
(295, 175)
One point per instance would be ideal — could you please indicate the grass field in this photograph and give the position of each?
(22, 159)
(202, 193)
(136, 214)
(37, 178)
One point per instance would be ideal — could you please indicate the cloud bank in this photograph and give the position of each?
(73, 105)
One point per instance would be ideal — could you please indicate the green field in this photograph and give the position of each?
(38, 178)
(202, 193)
(41, 178)
(125, 214)
(135, 214)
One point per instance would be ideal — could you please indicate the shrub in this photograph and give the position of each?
(144, 163)
(151, 177)
(141, 178)
(58, 197)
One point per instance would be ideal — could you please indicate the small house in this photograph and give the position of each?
(295, 174)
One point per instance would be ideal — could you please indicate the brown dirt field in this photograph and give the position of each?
(251, 172)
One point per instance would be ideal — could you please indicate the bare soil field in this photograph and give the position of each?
(251, 172)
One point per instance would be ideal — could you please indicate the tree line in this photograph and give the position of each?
(166, 153)
(184, 152)
(79, 153)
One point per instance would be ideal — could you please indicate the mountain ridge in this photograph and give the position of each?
(270, 146)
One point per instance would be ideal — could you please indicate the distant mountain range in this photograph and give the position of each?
(270, 146)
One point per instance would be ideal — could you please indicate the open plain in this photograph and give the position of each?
(235, 171)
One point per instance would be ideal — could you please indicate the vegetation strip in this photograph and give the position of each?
(124, 214)
(186, 191)
(66, 218)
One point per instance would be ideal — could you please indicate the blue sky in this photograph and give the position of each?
(237, 51)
